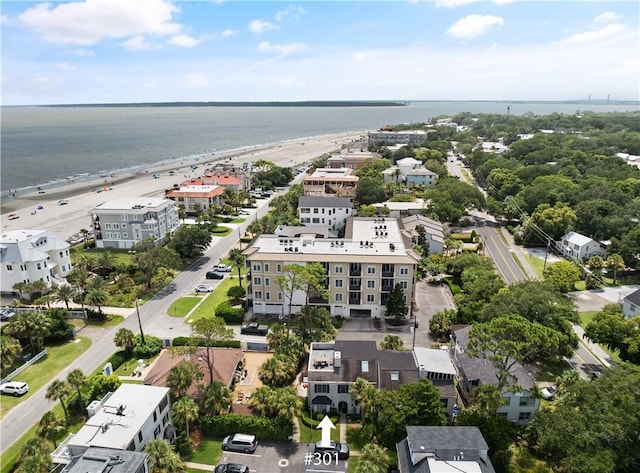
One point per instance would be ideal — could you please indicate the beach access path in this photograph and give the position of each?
(66, 220)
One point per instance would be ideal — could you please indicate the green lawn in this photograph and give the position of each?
(357, 437)
(586, 317)
(110, 321)
(536, 264)
(128, 366)
(208, 452)
(181, 307)
(45, 370)
(208, 306)
(549, 371)
(310, 435)
(221, 231)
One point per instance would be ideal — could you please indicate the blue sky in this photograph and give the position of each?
(110, 51)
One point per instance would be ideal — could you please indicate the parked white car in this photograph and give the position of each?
(14, 388)
(548, 393)
(222, 268)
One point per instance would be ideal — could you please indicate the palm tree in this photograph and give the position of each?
(57, 391)
(96, 282)
(216, 398)
(21, 287)
(181, 377)
(315, 324)
(364, 395)
(237, 259)
(85, 235)
(9, 348)
(185, 410)
(124, 338)
(35, 458)
(49, 427)
(277, 336)
(615, 263)
(97, 297)
(76, 379)
(277, 371)
(65, 293)
(391, 342)
(373, 459)
(38, 287)
(106, 262)
(163, 458)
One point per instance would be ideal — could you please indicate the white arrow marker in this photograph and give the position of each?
(326, 425)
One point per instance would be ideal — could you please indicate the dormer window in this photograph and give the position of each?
(364, 366)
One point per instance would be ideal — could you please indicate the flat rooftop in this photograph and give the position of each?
(131, 202)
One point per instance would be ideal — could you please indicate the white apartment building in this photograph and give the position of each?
(362, 268)
(330, 182)
(124, 420)
(33, 255)
(330, 212)
(397, 137)
(121, 223)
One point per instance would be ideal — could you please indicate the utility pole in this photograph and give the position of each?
(544, 267)
(139, 323)
(239, 239)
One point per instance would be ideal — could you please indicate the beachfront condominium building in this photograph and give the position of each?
(351, 158)
(196, 198)
(126, 419)
(362, 268)
(121, 223)
(397, 137)
(330, 182)
(330, 212)
(33, 255)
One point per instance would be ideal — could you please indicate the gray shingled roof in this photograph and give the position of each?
(634, 298)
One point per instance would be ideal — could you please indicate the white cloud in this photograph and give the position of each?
(183, 40)
(80, 52)
(259, 26)
(86, 23)
(196, 80)
(66, 66)
(606, 17)
(473, 25)
(228, 33)
(459, 3)
(292, 11)
(285, 48)
(596, 35)
(4, 19)
(137, 43)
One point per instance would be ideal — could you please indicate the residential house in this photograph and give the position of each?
(330, 182)
(351, 158)
(108, 460)
(123, 420)
(433, 230)
(472, 372)
(222, 179)
(362, 268)
(573, 245)
(331, 212)
(121, 223)
(196, 198)
(631, 304)
(400, 209)
(410, 171)
(438, 449)
(333, 367)
(436, 366)
(32, 255)
(226, 362)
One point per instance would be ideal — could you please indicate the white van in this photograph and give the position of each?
(15, 388)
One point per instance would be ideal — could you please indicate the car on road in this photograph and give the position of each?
(549, 393)
(245, 212)
(13, 216)
(14, 388)
(6, 314)
(204, 288)
(254, 328)
(231, 468)
(214, 275)
(222, 268)
(63, 202)
(245, 443)
(337, 448)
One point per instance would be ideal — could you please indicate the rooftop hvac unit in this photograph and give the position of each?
(93, 408)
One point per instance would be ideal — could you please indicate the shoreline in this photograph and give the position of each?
(84, 195)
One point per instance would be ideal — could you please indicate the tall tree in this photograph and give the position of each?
(163, 458)
(292, 278)
(124, 338)
(210, 330)
(50, 427)
(373, 459)
(30, 326)
(58, 390)
(9, 348)
(77, 380)
(391, 342)
(364, 395)
(615, 263)
(96, 297)
(181, 377)
(185, 410)
(190, 241)
(563, 275)
(396, 306)
(216, 399)
(511, 339)
(151, 260)
(237, 260)
(611, 328)
(35, 457)
(315, 324)
(65, 293)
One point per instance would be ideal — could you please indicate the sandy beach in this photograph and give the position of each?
(66, 220)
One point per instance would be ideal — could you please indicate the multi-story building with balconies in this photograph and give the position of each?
(362, 268)
(121, 223)
(330, 182)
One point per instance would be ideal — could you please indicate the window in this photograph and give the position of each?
(338, 269)
(267, 296)
(257, 294)
(39, 266)
(124, 217)
(527, 401)
(304, 210)
(395, 375)
(156, 432)
(257, 267)
(316, 220)
(321, 388)
(278, 268)
(371, 270)
(9, 267)
(371, 298)
(107, 226)
(140, 436)
(364, 365)
(279, 296)
(338, 297)
(165, 420)
(343, 388)
(338, 282)
(315, 211)
(403, 284)
(116, 226)
(266, 280)
(125, 235)
(524, 416)
(155, 416)
(371, 284)
(266, 267)
(163, 404)
(404, 271)
(257, 281)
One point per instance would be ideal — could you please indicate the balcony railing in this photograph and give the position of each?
(355, 287)
(355, 272)
(387, 274)
(354, 300)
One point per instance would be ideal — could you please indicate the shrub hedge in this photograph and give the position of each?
(261, 427)
(152, 346)
(230, 314)
(184, 341)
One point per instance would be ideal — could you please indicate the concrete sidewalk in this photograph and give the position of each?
(594, 348)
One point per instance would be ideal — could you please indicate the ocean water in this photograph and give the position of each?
(40, 145)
